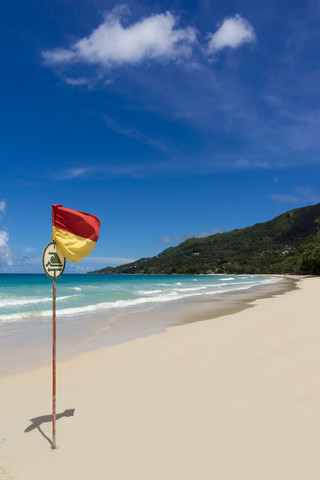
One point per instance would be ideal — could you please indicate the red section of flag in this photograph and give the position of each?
(79, 223)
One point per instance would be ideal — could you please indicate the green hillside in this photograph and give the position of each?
(290, 243)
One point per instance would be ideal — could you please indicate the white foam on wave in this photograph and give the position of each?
(12, 302)
(215, 292)
(11, 317)
(236, 283)
(191, 289)
(272, 280)
(229, 279)
(150, 297)
(118, 304)
(148, 292)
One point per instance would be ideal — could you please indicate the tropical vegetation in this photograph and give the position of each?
(289, 243)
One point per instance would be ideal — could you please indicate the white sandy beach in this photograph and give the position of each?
(232, 398)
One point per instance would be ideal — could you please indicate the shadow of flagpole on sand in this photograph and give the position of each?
(37, 421)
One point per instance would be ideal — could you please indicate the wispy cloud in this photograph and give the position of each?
(2, 207)
(114, 169)
(152, 38)
(76, 82)
(77, 172)
(300, 195)
(9, 258)
(285, 198)
(166, 240)
(232, 33)
(71, 173)
(132, 132)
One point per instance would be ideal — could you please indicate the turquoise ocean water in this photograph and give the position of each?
(97, 310)
(28, 298)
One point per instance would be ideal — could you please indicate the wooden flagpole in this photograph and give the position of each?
(54, 365)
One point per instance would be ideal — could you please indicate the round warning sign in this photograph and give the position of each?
(53, 261)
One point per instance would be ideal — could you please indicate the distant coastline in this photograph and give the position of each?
(288, 244)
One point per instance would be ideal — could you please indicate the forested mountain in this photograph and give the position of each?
(290, 243)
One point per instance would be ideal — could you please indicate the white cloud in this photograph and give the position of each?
(157, 38)
(8, 258)
(232, 33)
(4, 238)
(152, 38)
(301, 195)
(2, 207)
(6, 255)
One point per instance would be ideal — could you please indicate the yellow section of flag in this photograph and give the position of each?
(73, 247)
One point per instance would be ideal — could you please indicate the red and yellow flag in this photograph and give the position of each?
(75, 233)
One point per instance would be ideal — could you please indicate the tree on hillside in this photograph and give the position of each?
(310, 258)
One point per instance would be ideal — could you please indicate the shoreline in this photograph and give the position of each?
(243, 300)
(234, 397)
(32, 349)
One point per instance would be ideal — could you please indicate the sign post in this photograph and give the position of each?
(53, 264)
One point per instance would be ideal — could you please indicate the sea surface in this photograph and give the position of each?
(28, 298)
(103, 308)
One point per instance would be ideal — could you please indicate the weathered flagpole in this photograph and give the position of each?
(53, 264)
(54, 364)
(78, 225)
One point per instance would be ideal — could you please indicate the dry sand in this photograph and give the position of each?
(236, 397)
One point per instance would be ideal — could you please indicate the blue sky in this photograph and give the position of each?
(164, 119)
